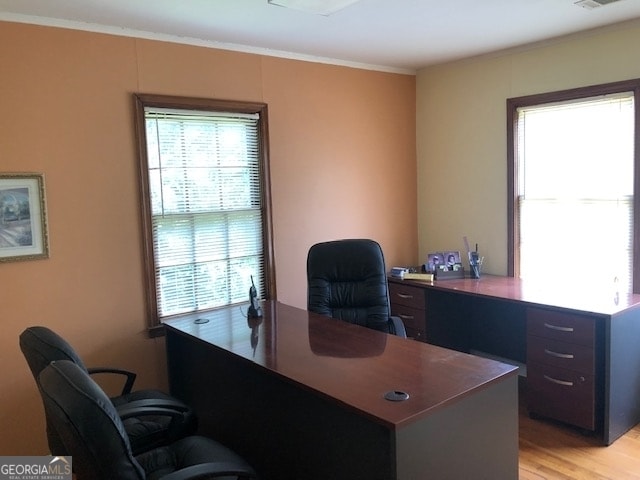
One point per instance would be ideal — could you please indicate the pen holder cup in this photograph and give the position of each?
(475, 268)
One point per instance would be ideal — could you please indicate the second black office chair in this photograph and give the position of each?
(92, 432)
(41, 346)
(347, 279)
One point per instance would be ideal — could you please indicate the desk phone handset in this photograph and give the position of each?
(254, 309)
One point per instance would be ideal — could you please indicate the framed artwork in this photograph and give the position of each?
(23, 217)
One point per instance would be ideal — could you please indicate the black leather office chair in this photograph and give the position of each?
(41, 346)
(347, 279)
(93, 434)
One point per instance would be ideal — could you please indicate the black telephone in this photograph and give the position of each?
(255, 311)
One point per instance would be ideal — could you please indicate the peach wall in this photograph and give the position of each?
(343, 164)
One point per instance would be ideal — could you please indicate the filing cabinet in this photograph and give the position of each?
(561, 367)
(408, 303)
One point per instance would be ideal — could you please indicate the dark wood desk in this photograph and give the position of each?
(301, 396)
(580, 345)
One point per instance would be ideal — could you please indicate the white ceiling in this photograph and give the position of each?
(390, 35)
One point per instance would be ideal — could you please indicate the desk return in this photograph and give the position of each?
(575, 345)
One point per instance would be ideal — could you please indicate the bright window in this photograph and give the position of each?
(204, 184)
(573, 187)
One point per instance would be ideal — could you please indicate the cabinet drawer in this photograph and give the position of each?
(561, 394)
(561, 326)
(578, 358)
(406, 295)
(413, 319)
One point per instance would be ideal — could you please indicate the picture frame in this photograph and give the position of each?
(435, 261)
(452, 260)
(446, 261)
(23, 217)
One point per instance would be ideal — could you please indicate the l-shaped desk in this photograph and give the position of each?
(580, 345)
(302, 396)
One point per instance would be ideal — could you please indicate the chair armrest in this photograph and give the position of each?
(155, 403)
(213, 470)
(127, 411)
(398, 327)
(128, 384)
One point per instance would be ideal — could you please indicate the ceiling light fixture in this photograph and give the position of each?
(317, 7)
(591, 4)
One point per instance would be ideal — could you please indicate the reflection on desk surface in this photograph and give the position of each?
(341, 360)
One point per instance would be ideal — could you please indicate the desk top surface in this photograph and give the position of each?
(352, 365)
(564, 293)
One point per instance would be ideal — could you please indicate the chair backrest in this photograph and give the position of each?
(347, 279)
(88, 424)
(41, 346)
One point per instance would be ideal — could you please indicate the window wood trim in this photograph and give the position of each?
(155, 327)
(565, 95)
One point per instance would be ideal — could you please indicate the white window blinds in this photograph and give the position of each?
(575, 189)
(204, 184)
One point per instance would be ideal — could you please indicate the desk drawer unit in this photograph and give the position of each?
(561, 394)
(408, 303)
(561, 367)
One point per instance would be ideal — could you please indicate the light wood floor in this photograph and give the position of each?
(553, 451)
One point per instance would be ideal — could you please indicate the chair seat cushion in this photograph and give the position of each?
(184, 453)
(150, 431)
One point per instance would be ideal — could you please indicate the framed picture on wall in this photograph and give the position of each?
(23, 217)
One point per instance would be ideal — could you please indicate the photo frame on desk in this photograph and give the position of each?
(452, 260)
(434, 261)
(444, 265)
(447, 261)
(23, 217)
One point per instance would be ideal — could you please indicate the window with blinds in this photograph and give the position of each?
(204, 184)
(574, 189)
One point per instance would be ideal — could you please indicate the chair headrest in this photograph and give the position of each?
(41, 346)
(349, 259)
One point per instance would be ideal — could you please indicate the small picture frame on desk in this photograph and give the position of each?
(445, 265)
(452, 260)
(434, 261)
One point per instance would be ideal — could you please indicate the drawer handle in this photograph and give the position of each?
(559, 382)
(404, 295)
(556, 327)
(406, 317)
(559, 355)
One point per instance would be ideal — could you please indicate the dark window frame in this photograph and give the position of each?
(141, 101)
